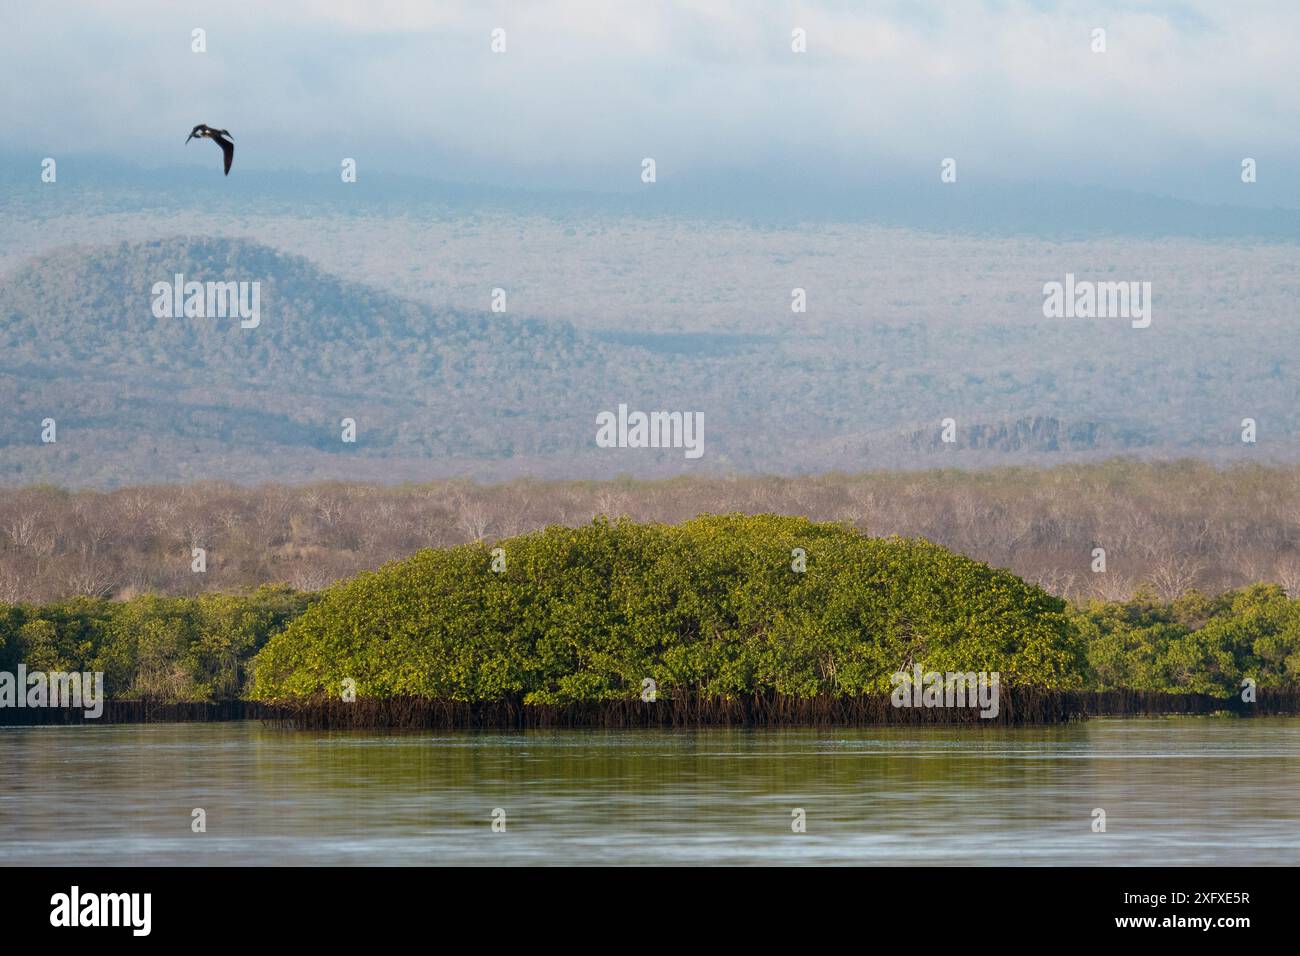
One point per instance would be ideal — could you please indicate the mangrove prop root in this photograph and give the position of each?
(1017, 706)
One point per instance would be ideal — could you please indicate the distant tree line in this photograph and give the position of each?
(1166, 528)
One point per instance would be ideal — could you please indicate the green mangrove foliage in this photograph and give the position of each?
(174, 649)
(1195, 644)
(717, 606)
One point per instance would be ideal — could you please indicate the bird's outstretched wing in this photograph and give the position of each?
(228, 152)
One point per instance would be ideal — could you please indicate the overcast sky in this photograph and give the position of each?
(586, 89)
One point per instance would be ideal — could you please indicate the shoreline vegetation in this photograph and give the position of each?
(737, 620)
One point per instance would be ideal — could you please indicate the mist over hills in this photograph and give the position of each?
(893, 197)
(444, 391)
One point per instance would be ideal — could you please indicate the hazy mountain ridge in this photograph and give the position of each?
(451, 392)
(94, 306)
(137, 396)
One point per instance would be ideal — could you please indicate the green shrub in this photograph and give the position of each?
(712, 606)
(1196, 644)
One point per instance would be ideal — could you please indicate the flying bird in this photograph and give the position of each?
(221, 137)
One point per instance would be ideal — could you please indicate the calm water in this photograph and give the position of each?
(1183, 791)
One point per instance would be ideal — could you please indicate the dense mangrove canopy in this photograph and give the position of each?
(717, 606)
(714, 606)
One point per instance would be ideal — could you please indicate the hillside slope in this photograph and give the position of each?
(444, 392)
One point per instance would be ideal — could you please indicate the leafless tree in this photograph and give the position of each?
(1175, 575)
(88, 579)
